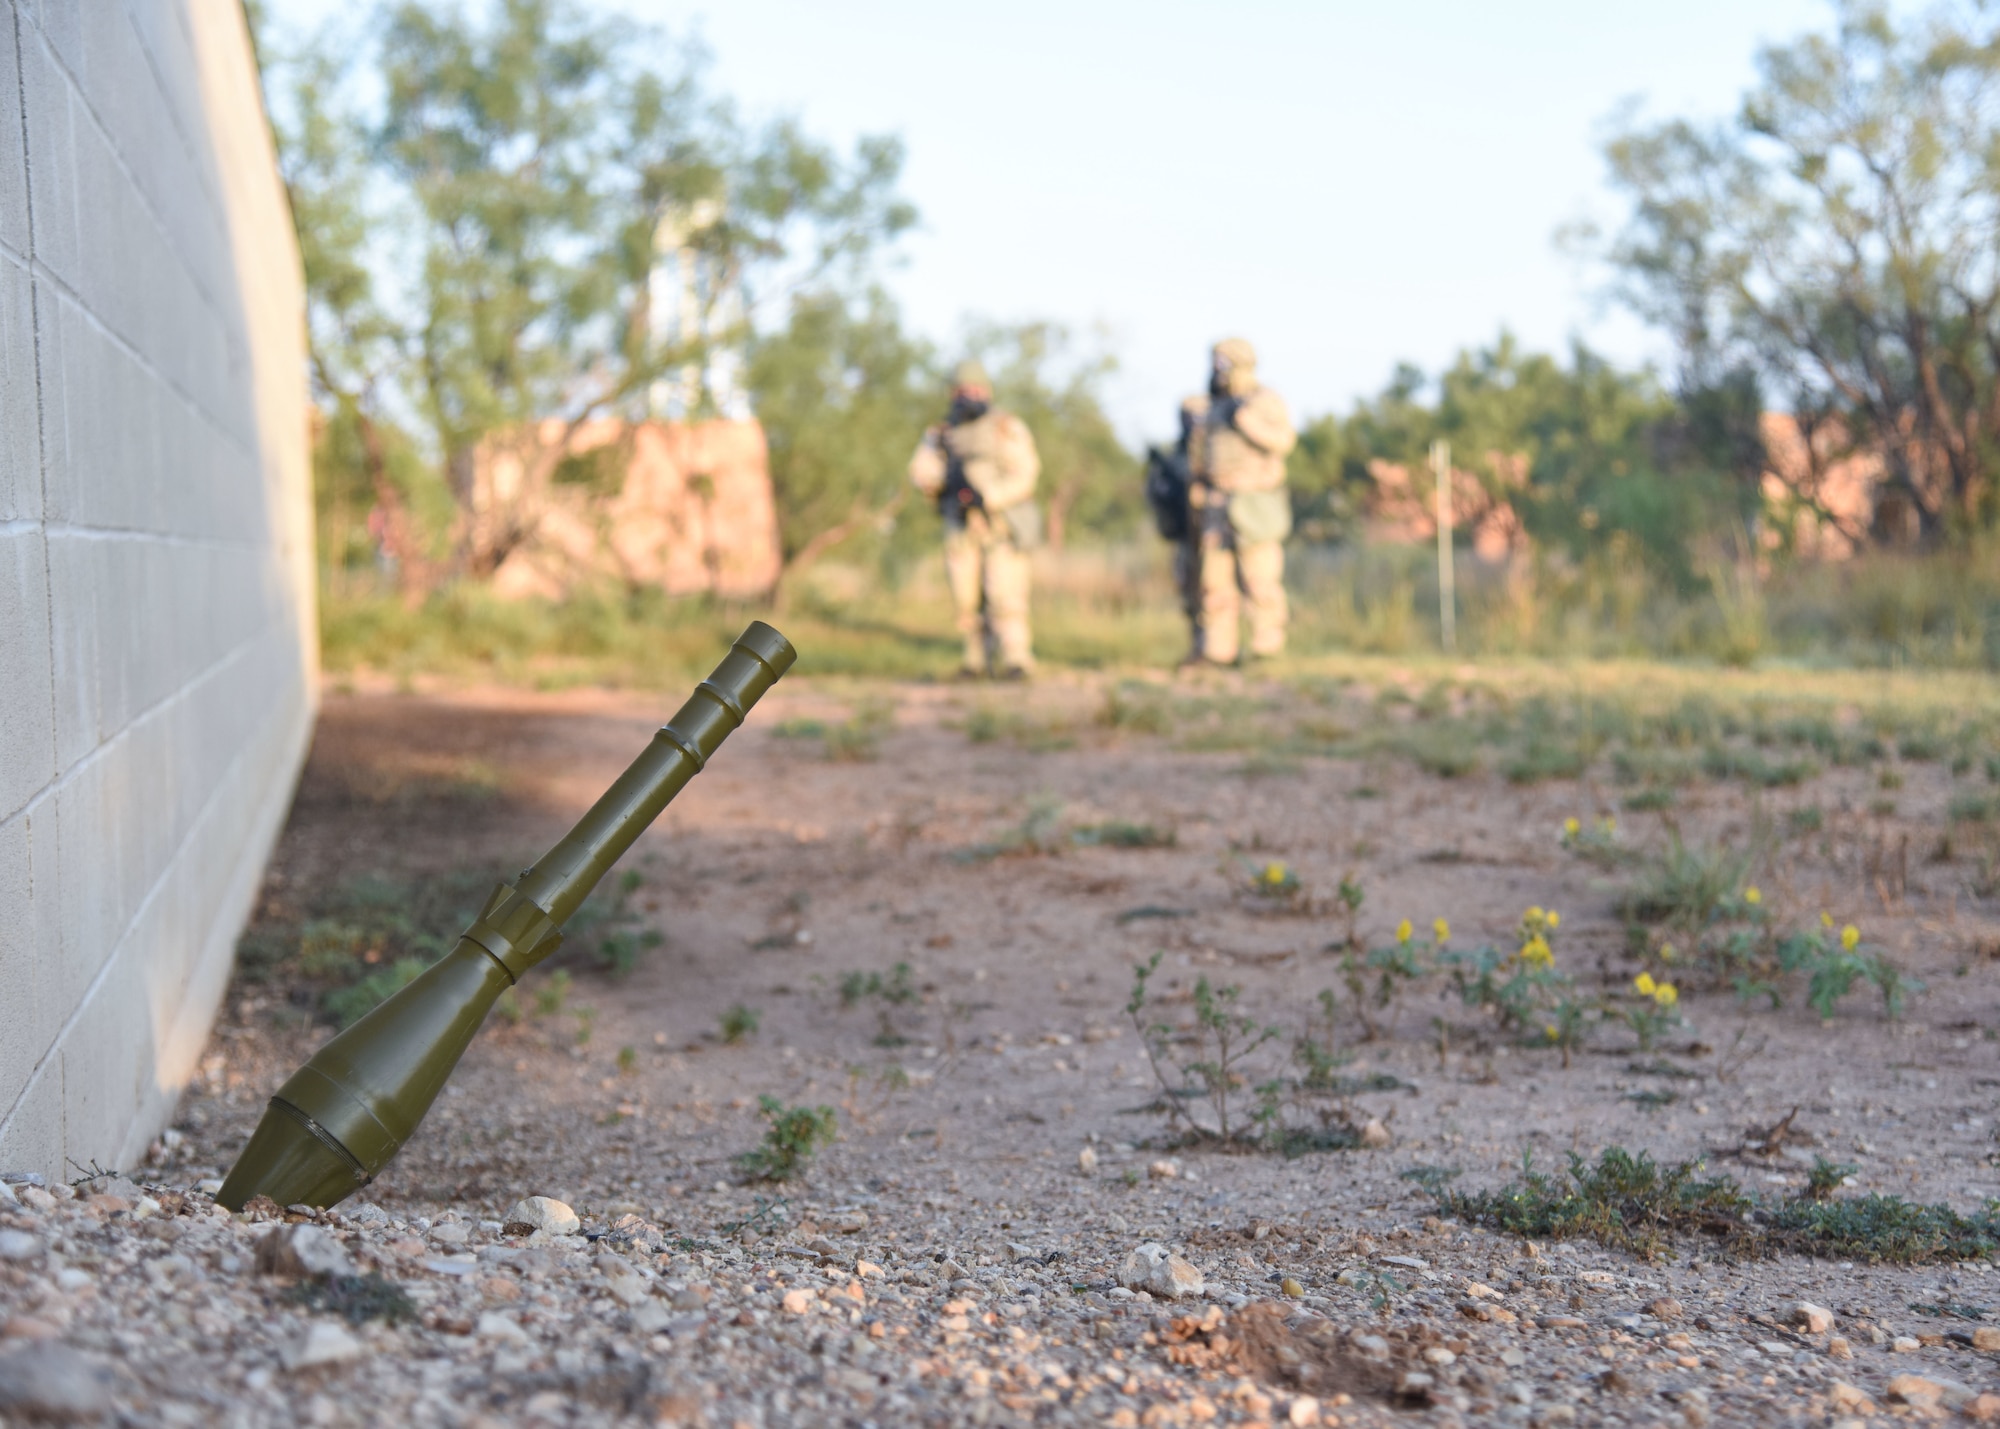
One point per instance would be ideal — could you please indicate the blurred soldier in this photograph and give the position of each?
(1241, 511)
(981, 466)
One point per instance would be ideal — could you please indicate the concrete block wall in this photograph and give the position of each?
(158, 661)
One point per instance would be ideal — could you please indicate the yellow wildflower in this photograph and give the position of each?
(1274, 873)
(1555, 919)
(1550, 1031)
(1442, 930)
(1403, 931)
(1572, 826)
(1753, 895)
(1825, 918)
(1666, 994)
(1645, 985)
(1849, 936)
(1536, 953)
(1533, 915)
(1668, 952)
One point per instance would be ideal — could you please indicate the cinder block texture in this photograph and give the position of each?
(158, 663)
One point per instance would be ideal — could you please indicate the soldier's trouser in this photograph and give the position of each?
(1187, 581)
(988, 575)
(1255, 571)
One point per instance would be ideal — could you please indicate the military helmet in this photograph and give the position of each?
(1238, 353)
(971, 373)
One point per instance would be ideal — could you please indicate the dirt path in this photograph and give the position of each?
(997, 1158)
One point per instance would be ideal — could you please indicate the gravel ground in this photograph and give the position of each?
(962, 1254)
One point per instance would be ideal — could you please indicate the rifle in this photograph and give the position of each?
(958, 496)
(1168, 482)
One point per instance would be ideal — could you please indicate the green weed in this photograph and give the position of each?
(739, 1022)
(792, 1137)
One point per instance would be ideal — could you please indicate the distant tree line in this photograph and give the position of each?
(478, 191)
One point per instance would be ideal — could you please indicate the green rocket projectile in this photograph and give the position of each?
(352, 1106)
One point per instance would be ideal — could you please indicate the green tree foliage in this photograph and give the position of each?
(1594, 461)
(1838, 238)
(1090, 482)
(842, 392)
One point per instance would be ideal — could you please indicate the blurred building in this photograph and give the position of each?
(158, 655)
(687, 507)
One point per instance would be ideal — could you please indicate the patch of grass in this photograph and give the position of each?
(1807, 820)
(792, 1137)
(1751, 767)
(1629, 1203)
(1039, 832)
(348, 1005)
(1649, 801)
(609, 930)
(739, 1022)
(1686, 888)
(1442, 749)
(357, 1299)
(1972, 808)
(1119, 833)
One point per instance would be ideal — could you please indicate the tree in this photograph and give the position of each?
(493, 227)
(842, 392)
(1840, 240)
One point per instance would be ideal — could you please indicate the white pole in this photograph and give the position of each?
(1447, 587)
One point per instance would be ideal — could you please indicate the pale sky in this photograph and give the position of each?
(1346, 184)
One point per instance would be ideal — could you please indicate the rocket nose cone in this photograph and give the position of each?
(292, 1161)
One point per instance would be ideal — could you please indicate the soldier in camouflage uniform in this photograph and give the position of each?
(1242, 512)
(981, 467)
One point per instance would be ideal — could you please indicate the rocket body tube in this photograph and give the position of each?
(349, 1109)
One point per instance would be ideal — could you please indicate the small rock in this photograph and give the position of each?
(820, 1245)
(651, 1318)
(1017, 1251)
(451, 1233)
(540, 1213)
(1086, 1160)
(951, 1270)
(53, 1382)
(1666, 1308)
(7, 1196)
(1373, 1346)
(304, 1252)
(1163, 1170)
(1986, 1337)
(1982, 1409)
(1153, 1268)
(1374, 1133)
(1839, 1349)
(367, 1213)
(1406, 1262)
(1439, 1356)
(118, 1188)
(1291, 1288)
(37, 1199)
(797, 1302)
(1905, 1345)
(1811, 1318)
(869, 1269)
(493, 1325)
(1914, 1389)
(326, 1342)
(1304, 1411)
(848, 1222)
(19, 1245)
